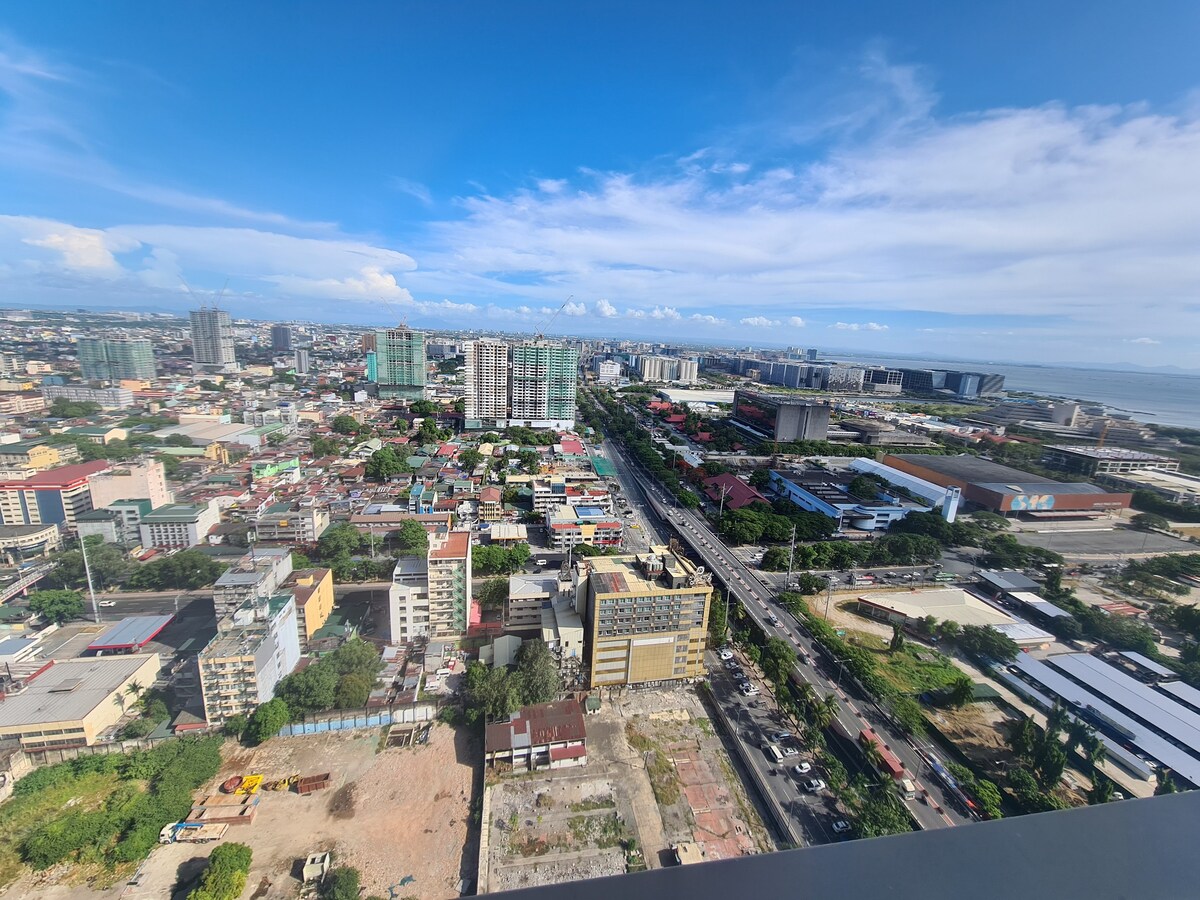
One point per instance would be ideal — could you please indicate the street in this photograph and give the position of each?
(855, 713)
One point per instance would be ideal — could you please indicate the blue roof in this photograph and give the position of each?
(1148, 664)
(132, 632)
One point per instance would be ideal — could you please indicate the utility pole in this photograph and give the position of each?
(791, 554)
(828, 598)
(87, 570)
(725, 493)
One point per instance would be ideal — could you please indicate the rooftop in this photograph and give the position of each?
(944, 604)
(543, 723)
(70, 689)
(63, 476)
(131, 632)
(176, 512)
(1118, 453)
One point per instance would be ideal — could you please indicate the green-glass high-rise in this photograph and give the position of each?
(400, 364)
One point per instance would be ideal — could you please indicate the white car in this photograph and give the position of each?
(774, 620)
(815, 786)
(801, 768)
(750, 690)
(790, 751)
(841, 826)
(725, 654)
(108, 603)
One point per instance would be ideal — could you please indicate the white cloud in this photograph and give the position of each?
(704, 319)
(524, 310)
(758, 322)
(796, 322)
(665, 312)
(1144, 340)
(636, 313)
(605, 310)
(413, 188)
(859, 326)
(575, 309)
(87, 250)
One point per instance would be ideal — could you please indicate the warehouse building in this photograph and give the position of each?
(1005, 490)
(1092, 461)
(74, 701)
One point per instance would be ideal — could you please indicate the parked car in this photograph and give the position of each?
(750, 690)
(815, 786)
(790, 751)
(725, 654)
(802, 768)
(841, 826)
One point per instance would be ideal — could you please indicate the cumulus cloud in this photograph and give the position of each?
(758, 322)
(705, 319)
(636, 313)
(605, 310)
(859, 326)
(88, 250)
(796, 322)
(665, 312)
(574, 309)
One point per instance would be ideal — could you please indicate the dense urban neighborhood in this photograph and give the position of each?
(299, 609)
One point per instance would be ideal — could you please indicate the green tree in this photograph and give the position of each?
(266, 720)
(235, 726)
(69, 409)
(352, 692)
(339, 539)
(962, 691)
(1165, 784)
(718, 619)
(897, 642)
(493, 593)
(225, 877)
(384, 463)
(537, 673)
(344, 424)
(411, 539)
(981, 640)
(311, 690)
(423, 408)
(355, 657)
(760, 478)
(490, 694)
(470, 458)
(325, 446)
(1150, 522)
(56, 606)
(342, 882)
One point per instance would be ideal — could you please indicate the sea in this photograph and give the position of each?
(1159, 398)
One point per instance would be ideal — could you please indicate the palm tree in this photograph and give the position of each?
(119, 702)
(1095, 749)
(824, 711)
(1078, 733)
(1056, 722)
(133, 689)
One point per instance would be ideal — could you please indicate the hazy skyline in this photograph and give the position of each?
(1011, 183)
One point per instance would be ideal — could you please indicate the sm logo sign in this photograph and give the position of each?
(1023, 502)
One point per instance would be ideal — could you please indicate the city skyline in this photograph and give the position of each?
(790, 181)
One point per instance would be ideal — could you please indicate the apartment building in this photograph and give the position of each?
(212, 339)
(431, 597)
(178, 525)
(55, 496)
(668, 368)
(255, 647)
(291, 523)
(568, 526)
(1092, 461)
(542, 384)
(30, 457)
(527, 594)
(313, 590)
(486, 395)
(257, 575)
(647, 617)
(116, 359)
(490, 506)
(142, 479)
(400, 364)
(106, 398)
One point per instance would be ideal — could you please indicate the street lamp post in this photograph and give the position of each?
(87, 569)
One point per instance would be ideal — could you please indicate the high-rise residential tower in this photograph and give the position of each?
(543, 377)
(400, 364)
(212, 339)
(486, 383)
(281, 338)
(112, 359)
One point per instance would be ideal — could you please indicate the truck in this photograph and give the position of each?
(191, 833)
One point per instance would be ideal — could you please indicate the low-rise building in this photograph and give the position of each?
(1092, 461)
(490, 506)
(526, 596)
(99, 434)
(292, 523)
(254, 649)
(74, 701)
(144, 478)
(829, 495)
(30, 457)
(569, 526)
(21, 542)
(178, 526)
(545, 736)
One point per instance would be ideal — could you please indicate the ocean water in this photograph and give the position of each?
(1164, 399)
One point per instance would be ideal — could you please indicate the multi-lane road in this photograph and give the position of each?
(855, 712)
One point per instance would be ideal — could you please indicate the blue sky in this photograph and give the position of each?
(1002, 181)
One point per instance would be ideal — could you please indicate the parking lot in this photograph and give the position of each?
(1084, 545)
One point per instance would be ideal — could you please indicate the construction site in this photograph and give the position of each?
(398, 810)
(657, 786)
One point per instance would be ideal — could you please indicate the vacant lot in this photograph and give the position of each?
(395, 815)
(656, 776)
(1102, 545)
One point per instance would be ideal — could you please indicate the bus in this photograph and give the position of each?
(945, 576)
(773, 753)
(889, 763)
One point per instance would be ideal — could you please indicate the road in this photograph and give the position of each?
(855, 712)
(153, 603)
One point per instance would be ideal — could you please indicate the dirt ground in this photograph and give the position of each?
(980, 731)
(390, 814)
(656, 773)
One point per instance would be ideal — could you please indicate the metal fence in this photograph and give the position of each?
(346, 720)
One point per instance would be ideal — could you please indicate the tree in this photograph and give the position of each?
(342, 883)
(325, 446)
(1101, 792)
(760, 478)
(339, 539)
(311, 690)
(718, 619)
(56, 606)
(69, 409)
(537, 673)
(470, 458)
(490, 694)
(897, 642)
(266, 721)
(384, 463)
(962, 691)
(493, 594)
(344, 424)
(423, 408)
(177, 440)
(352, 692)
(355, 657)
(225, 877)
(1165, 783)
(982, 640)
(411, 539)
(1150, 522)
(235, 726)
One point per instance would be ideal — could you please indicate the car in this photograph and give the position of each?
(774, 620)
(841, 826)
(750, 690)
(779, 736)
(108, 603)
(802, 768)
(725, 654)
(790, 751)
(731, 665)
(815, 786)
(540, 562)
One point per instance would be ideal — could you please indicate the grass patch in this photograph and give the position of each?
(706, 727)
(662, 778)
(592, 803)
(602, 832)
(637, 740)
(911, 673)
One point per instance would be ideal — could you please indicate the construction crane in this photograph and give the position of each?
(1103, 435)
(541, 331)
(203, 303)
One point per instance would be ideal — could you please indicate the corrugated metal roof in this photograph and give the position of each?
(46, 700)
(132, 631)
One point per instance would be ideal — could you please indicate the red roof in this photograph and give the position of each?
(544, 723)
(736, 492)
(575, 752)
(677, 419)
(458, 544)
(490, 495)
(574, 448)
(62, 477)
(447, 450)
